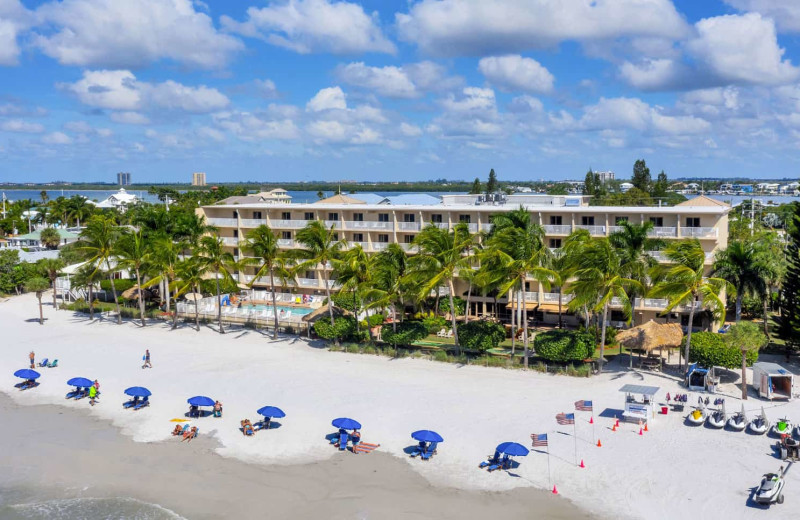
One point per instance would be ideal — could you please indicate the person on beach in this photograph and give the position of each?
(178, 430)
(32, 357)
(355, 438)
(146, 359)
(217, 409)
(92, 395)
(190, 434)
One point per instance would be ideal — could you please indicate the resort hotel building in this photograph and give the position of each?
(373, 222)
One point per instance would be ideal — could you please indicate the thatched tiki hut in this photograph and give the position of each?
(322, 312)
(650, 336)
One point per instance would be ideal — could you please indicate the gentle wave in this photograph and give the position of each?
(123, 508)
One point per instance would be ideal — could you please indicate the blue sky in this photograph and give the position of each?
(293, 90)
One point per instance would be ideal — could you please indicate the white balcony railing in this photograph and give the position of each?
(379, 246)
(698, 232)
(408, 226)
(336, 224)
(486, 227)
(288, 224)
(441, 225)
(663, 232)
(368, 224)
(224, 222)
(614, 229)
(659, 256)
(230, 241)
(593, 230)
(252, 222)
(308, 282)
(408, 247)
(557, 230)
(553, 298)
(473, 228)
(364, 245)
(285, 242)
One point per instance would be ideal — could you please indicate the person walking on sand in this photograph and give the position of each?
(32, 357)
(93, 394)
(146, 359)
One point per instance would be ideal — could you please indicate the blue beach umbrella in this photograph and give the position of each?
(513, 449)
(271, 411)
(426, 436)
(200, 400)
(80, 381)
(138, 391)
(346, 423)
(27, 373)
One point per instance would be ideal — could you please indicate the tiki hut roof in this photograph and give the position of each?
(133, 293)
(651, 336)
(313, 316)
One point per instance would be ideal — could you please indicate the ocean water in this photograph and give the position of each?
(15, 507)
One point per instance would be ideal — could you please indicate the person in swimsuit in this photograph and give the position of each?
(190, 434)
(32, 357)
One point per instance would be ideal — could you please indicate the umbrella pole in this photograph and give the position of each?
(575, 437)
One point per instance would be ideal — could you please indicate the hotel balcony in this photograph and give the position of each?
(661, 256)
(663, 232)
(335, 224)
(699, 232)
(285, 242)
(230, 241)
(364, 245)
(288, 224)
(368, 224)
(557, 230)
(252, 222)
(409, 247)
(408, 226)
(593, 230)
(379, 246)
(224, 222)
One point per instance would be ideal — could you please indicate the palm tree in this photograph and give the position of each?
(353, 273)
(38, 285)
(518, 253)
(188, 275)
(441, 254)
(133, 253)
(738, 264)
(263, 244)
(216, 259)
(389, 269)
(566, 263)
(599, 270)
(771, 263)
(97, 242)
(87, 276)
(164, 256)
(684, 283)
(745, 337)
(633, 243)
(79, 209)
(321, 246)
(50, 238)
(50, 267)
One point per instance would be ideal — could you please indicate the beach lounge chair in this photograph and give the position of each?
(442, 333)
(129, 404)
(74, 394)
(428, 452)
(502, 464)
(493, 460)
(142, 404)
(449, 334)
(54, 364)
(419, 449)
(43, 363)
(25, 385)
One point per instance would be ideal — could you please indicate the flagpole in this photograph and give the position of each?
(549, 475)
(575, 437)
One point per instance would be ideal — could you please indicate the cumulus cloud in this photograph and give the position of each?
(408, 81)
(409, 130)
(120, 90)
(56, 138)
(786, 13)
(327, 99)
(249, 126)
(307, 26)
(21, 126)
(14, 18)
(485, 27)
(473, 114)
(515, 73)
(635, 114)
(115, 34)
(84, 128)
(129, 118)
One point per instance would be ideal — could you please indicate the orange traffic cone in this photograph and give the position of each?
(591, 420)
(640, 432)
(581, 464)
(555, 491)
(645, 426)
(614, 428)
(599, 444)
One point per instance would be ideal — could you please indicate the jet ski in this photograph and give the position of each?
(782, 427)
(698, 416)
(738, 421)
(771, 489)
(717, 419)
(760, 424)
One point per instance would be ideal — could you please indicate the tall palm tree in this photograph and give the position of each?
(50, 238)
(263, 244)
(321, 246)
(599, 270)
(685, 284)
(745, 337)
(441, 254)
(738, 264)
(50, 267)
(189, 272)
(87, 276)
(771, 263)
(79, 209)
(388, 280)
(566, 263)
(518, 252)
(97, 243)
(132, 253)
(353, 271)
(38, 285)
(164, 256)
(217, 260)
(633, 244)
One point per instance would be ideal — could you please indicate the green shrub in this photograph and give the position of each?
(369, 349)
(431, 321)
(343, 329)
(407, 333)
(389, 352)
(753, 307)
(121, 285)
(596, 332)
(374, 321)
(343, 300)
(460, 304)
(564, 345)
(709, 350)
(440, 355)
(481, 335)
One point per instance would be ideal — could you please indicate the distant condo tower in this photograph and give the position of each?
(605, 176)
(124, 179)
(198, 179)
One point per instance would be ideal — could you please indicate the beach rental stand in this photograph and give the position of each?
(639, 402)
(772, 381)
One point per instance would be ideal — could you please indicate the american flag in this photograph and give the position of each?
(583, 406)
(539, 439)
(565, 418)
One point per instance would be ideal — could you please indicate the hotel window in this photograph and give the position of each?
(235, 233)
(555, 221)
(358, 237)
(235, 251)
(693, 222)
(383, 238)
(383, 217)
(235, 214)
(437, 218)
(286, 215)
(333, 216)
(309, 215)
(657, 221)
(286, 235)
(358, 217)
(619, 220)
(587, 221)
(555, 243)
(311, 275)
(257, 215)
(409, 217)
(335, 236)
(408, 239)
(464, 218)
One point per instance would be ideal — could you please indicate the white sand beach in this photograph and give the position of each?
(672, 470)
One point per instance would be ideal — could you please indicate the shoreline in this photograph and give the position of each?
(193, 481)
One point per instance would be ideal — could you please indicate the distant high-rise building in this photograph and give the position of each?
(198, 179)
(124, 179)
(605, 176)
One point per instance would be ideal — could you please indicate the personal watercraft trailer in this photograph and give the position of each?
(772, 381)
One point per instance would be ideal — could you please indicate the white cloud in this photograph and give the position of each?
(85, 129)
(120, 34)
(651, 74)
(210, 133)
(485, 27)
(21, 126)
(431, 77)
(14, 19)
(333, 131)
(515, 73)
(474, 98)
(367, 135)
(473, 114)
(120, 90)
(129, 118)
(786, 13)
(326, 99)
(307, 26)
(266, 88)
(56, 138)
(249, 126)
(635, 114)
(386, 81)
(409, 130)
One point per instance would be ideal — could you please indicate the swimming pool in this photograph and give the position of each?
(296, 311)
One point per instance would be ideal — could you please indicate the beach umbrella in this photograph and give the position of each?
(80, 381)
(271, 411)
(193, 296)
(200, 400)
(138, 391)
(346, 423)
(426, 436)
(27, 373)
(513, 449)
